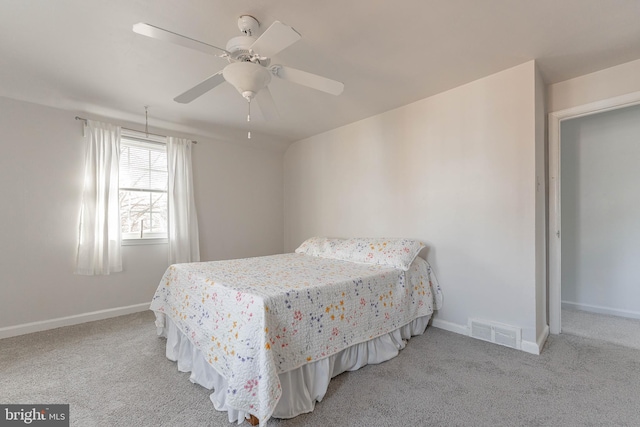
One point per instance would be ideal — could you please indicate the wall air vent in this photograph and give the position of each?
(497, 333)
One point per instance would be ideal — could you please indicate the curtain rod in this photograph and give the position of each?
(133, 130)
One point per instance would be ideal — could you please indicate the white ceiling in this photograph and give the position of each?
(81, 55)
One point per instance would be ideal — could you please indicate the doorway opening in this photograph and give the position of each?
(555, 229)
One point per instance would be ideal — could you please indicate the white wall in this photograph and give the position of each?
(601, 212)
(239, 198)
(457, 170)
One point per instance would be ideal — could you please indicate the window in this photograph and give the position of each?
(143, 188)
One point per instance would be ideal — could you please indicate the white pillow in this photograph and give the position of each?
(313, 246)
(392, 252)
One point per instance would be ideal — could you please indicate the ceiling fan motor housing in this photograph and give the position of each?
(239, 46)
(240, 49)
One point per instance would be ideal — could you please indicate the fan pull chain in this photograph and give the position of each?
(146, 120)
(248, 116)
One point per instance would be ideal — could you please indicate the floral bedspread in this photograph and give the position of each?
(257, 317)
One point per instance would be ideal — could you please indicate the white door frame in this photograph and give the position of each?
(555, 237)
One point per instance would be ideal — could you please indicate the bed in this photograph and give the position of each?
(266, 334)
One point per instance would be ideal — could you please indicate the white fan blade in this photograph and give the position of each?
(200, 89)
(267, 106)
(275, 39)
(307, 79)
(169, 36)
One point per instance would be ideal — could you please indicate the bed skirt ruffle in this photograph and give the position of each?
(301, 387)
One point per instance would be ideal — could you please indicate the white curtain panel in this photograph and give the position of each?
(184, 244)
(99, 240)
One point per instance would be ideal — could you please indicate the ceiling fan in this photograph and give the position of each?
(249, 69)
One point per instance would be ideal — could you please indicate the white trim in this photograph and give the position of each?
(554, 224)
(601, 310)
(145, 241)
(555, 238)
(28, 328)
(536, 347)
(451, 327)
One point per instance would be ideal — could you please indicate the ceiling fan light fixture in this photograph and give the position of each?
(248, 78)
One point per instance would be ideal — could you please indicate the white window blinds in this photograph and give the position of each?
(143, 189)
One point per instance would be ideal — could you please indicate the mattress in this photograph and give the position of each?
(253, 320)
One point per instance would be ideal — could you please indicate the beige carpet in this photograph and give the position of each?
(114, 373)
(617, 330)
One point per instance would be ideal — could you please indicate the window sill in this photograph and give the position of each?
(149, 241)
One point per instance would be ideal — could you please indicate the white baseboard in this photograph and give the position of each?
(601, 310)
(27, 328)
(451, 327)
(536, 347)
(526, 346)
